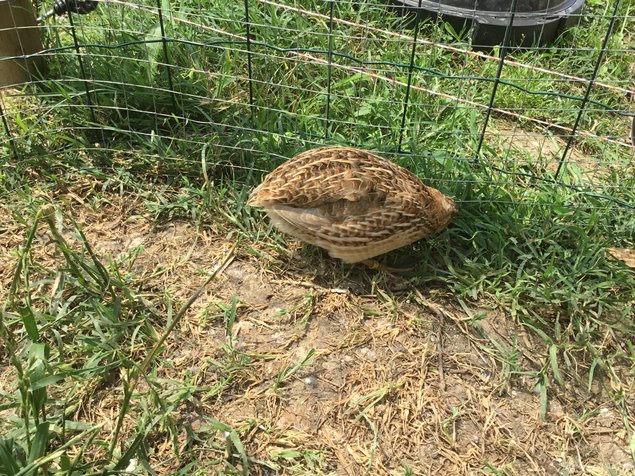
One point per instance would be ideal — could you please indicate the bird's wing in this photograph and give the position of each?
(313, 189)
(311, 224)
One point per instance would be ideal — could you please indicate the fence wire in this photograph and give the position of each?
(172, 86)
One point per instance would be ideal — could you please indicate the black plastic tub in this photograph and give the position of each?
(536, 22)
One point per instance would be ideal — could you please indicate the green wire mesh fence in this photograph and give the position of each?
(197, 87)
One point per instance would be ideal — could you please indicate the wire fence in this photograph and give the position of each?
(194, 86)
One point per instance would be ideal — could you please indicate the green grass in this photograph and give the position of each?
(523, 243)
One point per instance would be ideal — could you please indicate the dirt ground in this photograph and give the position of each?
(395, 378)
(544, 151)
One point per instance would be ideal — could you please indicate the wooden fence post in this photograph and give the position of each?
(19, 35)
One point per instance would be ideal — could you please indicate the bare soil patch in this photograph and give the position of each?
(544, 152)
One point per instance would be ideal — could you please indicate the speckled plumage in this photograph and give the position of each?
(351, 202)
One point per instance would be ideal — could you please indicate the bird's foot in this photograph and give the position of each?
(377, 266)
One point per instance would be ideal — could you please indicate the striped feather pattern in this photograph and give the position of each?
(351, 202)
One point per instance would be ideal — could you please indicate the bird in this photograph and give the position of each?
(351, 202)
